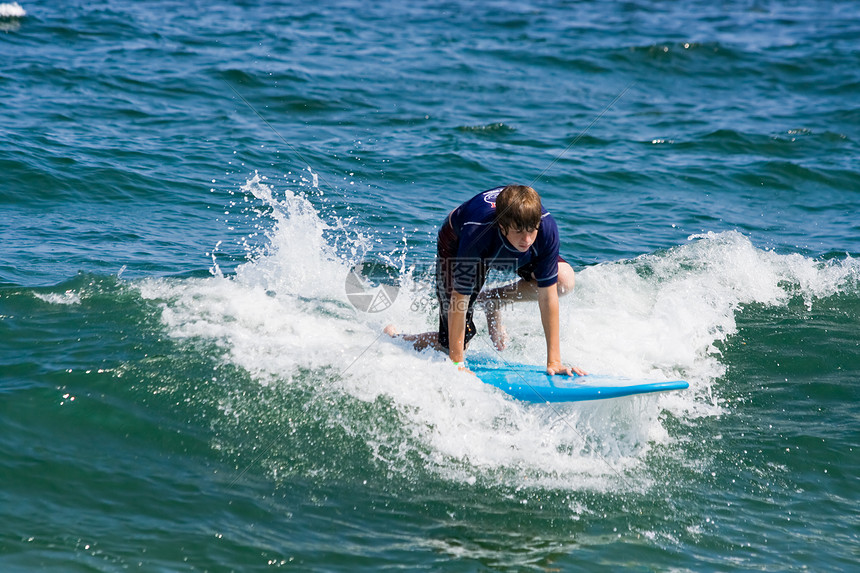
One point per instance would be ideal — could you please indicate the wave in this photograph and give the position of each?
(321, 366)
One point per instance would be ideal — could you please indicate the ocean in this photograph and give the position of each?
(210, 210)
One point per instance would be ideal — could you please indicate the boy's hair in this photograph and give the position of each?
(518, 207)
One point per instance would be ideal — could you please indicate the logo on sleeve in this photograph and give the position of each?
(490, 196)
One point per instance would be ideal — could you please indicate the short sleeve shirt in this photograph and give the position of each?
(481, 241)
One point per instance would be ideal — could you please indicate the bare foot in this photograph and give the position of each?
(498, 334)
(391, 331)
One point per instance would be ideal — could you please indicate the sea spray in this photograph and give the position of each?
(284, 318)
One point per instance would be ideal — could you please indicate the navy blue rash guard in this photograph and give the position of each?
(479, 240)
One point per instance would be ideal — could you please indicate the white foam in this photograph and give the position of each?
(660, 315)
(68, 297)
(12, 10)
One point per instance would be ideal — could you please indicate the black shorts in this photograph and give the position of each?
(446, 251)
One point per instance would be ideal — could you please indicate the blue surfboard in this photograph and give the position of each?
(532, 383)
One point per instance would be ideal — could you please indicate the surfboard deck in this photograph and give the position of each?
(531, 383)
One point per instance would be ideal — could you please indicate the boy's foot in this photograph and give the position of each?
(391, 331)
(498, 334)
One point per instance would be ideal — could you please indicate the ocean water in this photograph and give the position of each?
(199, 201)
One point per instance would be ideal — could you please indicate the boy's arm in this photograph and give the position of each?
(457, 326)
(548, 303)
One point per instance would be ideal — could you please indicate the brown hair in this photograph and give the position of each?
(518, 207)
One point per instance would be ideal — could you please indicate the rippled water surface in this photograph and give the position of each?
(185, 384)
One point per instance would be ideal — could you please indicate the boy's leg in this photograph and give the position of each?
(437, 339)
(446, 249)
(419, 341)
(527, 289)
(494, 299)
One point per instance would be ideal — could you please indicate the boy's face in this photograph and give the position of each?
(522, 240)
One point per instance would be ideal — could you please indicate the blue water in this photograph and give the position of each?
(187, 384)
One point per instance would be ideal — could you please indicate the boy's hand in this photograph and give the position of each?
(554, 368)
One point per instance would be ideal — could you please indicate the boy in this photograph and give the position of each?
(505, 227)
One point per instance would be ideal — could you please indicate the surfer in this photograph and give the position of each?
(506, 228)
